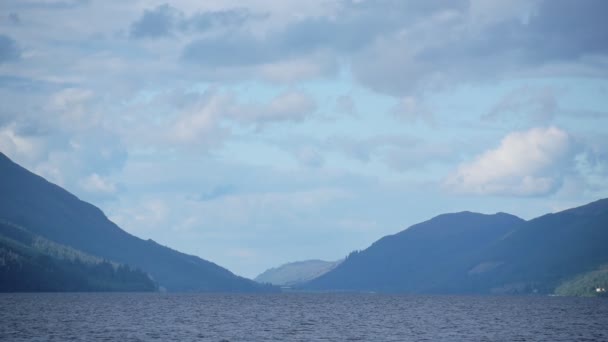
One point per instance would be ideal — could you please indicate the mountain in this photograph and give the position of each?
(295, 273)
(543, 253)
(47, 210)
(31, 263)
(487, 254)
(418, 258)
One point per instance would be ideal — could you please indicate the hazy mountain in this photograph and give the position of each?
(418, 258)
(475, 253)
(31, 263)
(49, 211)
(294, 273)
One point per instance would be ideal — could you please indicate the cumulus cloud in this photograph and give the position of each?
(528, 163)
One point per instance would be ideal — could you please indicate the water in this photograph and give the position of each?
(298, 317)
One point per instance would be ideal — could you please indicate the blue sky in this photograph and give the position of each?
(253, 133)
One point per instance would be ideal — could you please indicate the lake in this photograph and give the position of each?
(298, 317)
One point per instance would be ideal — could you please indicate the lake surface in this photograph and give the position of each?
(298, 317)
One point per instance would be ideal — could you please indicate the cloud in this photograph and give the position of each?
(234, 49)
(394, 47)
(566, 30)
(374, 147)
(166, 21)
(537, 104)
(75, 108)
(8, 49)
(528, 163)
(552, 38)
(97, 184)
(21, 148)
(208, 120)
(292, 105)
(227, 18)
(345, 28)
(200, 124)
(50, 4)
(156, 23)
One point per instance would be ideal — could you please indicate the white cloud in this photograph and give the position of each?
(200, 124)
(22, 149)
(526, 163)
(97, 184)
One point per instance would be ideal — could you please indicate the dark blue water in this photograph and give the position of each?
(299, 317)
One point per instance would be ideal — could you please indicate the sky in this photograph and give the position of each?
(255, 133)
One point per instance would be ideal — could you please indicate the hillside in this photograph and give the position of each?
(543, 253)
(53, 213)
(590, 284)
(295, 273)
(31, 263)
(419, 258)
(482, 254)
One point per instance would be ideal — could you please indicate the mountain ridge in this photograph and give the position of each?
(48, 210)
(404, 262)
(441, 256)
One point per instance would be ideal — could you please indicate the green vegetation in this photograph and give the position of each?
(31, 263)
(586, 285)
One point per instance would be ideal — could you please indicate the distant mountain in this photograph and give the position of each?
(475, 253)
(418, 258)
(47, 210)
(31, 263)
(295, 273)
